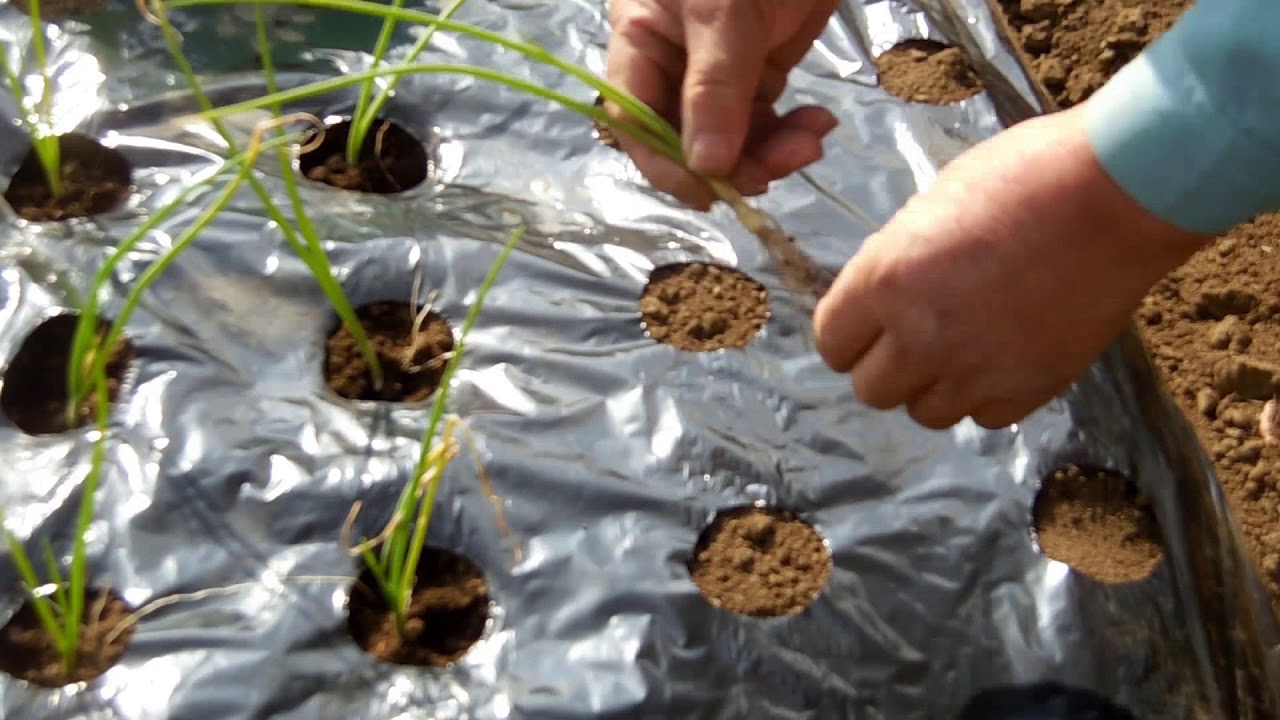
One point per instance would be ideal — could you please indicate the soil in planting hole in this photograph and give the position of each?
(34, 394)
(27, 653)
(447, 614)
(1098, 523)
(412, 354)
(1075, 47)
(95, 180)
(700, 307)
(392, 160)
(760, 562)
(926, 71)
(1213, 325)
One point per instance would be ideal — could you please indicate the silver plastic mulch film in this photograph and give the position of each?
(231, 468)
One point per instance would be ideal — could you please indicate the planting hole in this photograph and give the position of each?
(603, 133)
(34, 394)
(28, 653)
(391, 159)
(1098, 523)
(95, 180)
(412, 354)
(447, 615)
(56, 9)
(760, 562)
(926, 71)
(699, 306)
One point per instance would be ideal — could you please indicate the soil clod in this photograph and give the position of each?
(96, 180)
(701, 307)
(1098, 523)
(926, 71)
(34, 393)
(412, 351)
(391, 160)
(28, 653)
(603, 133)
(447, 614)
(760, 562)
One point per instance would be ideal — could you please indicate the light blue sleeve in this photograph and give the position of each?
(1191, 127)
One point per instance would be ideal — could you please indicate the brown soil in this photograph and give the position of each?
(760, 562)
(1214, 324)
(411, 366)
(700, 307)
(34, 394)
(54, 9)
(1077, 45)
(447, 615)
(925, 71)
(1098, 523)
(27, 653)
(392, 160)
(95, 180)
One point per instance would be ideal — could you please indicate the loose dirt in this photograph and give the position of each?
(701, 307)
(447, 615)
(412, 363)
(759, 562)
(1214, 324)
(27, 653)
(34, 394)
(1097, 523)
(95, 180)
(925, 71)
(392, 160)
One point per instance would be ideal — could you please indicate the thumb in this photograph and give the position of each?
(727, 45)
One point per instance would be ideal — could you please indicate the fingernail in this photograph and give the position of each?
(711, 154)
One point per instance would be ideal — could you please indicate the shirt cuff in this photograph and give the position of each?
(1158, 133)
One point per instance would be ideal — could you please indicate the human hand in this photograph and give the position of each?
(713, 69)
(990, 293)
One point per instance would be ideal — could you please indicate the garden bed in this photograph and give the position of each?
(638, 380)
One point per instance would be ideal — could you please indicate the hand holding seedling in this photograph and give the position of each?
(713, 69)
(988, 294)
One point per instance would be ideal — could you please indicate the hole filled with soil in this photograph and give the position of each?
(34, 393)
(1098, 523)
(95, 180)
(392, 160)
(447, 614)
(760, 562)
(699, 306)
(28, 653)
(926, 71)
(412, 348)
(603, 133)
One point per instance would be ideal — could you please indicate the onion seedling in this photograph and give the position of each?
(60, 609)
(368, 108)
(796, 269)
(394, 565)
(303, 239)
(37, 113)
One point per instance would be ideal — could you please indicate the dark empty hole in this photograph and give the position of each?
(926, 71)
(447, 614)
(28, 653)
(34, 394)
(412, 352)
(699, 306)
(1097, 522)
(95, 180)
(391, 159)
(760, 562)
